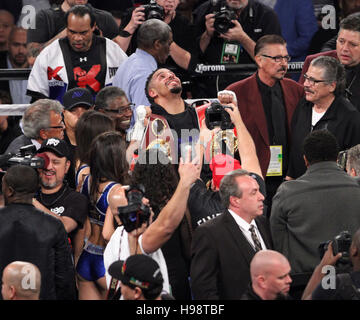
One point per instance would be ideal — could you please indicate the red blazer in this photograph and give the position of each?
(252, 112)
(308, 59)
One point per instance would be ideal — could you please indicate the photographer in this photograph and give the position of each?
(206, 204)
(246, 21)
(347, 286)
(151, 236)
(182, 47)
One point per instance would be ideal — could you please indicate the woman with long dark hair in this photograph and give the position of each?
(160, 180)
(108, 173)
(90, 124)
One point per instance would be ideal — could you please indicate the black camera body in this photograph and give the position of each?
(136, 212)
(26, 157)
(153, 11)
(223, 19)
(216, 116)
(340, 244)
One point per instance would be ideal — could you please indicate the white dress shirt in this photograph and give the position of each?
(244, 227)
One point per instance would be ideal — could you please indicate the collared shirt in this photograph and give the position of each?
(36, 144)
(244, 227)
(132, 75)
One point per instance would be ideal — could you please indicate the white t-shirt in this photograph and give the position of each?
(316, 116)
(114, 251)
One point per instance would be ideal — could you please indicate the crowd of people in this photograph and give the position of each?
(118, 184)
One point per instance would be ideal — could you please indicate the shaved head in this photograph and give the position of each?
(266, 260)
(270, 274)
(21, 281)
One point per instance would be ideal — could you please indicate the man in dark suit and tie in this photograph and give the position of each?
(223, 247)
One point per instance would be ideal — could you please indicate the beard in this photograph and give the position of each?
(49, 186)
(176, 90)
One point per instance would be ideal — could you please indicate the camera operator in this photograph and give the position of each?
(347, 286)
(149, 237)
(242, 23)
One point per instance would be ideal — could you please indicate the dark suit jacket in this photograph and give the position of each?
(310, 58)
(221, 256)
(252, 112)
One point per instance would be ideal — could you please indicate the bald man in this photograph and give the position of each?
(21, 281)
(270, 277)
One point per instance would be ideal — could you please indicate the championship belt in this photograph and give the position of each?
(158, 135)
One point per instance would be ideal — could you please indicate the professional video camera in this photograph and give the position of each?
(340, 244)
(216, 116)
(26, 157)
(153, 11)
(223, 19)
(136, 212)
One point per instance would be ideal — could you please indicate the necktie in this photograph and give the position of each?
(255, 239)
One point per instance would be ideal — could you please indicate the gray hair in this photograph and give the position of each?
(353, 158)
(106, 95)
(229, 187)
(37, 116)
(333, 71)
(152, 30)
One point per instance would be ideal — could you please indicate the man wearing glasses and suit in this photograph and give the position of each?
(266, 102)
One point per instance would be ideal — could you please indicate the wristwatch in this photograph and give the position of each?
(124, 33)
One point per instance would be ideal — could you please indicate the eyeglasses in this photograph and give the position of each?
(278, 58)
(122, 109)
(62, 126)
(313, 81)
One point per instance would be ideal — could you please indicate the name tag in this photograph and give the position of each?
(230, 52)
(276, 162)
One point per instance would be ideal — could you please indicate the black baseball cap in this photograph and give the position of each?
(138, 270)
(78, 97)
(57, 146)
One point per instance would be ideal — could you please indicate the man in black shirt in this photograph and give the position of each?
(50, 24)
(270, 277)
(28, 234)
(253, 20)
(163, 89)
(206, 204)
(56, 197)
